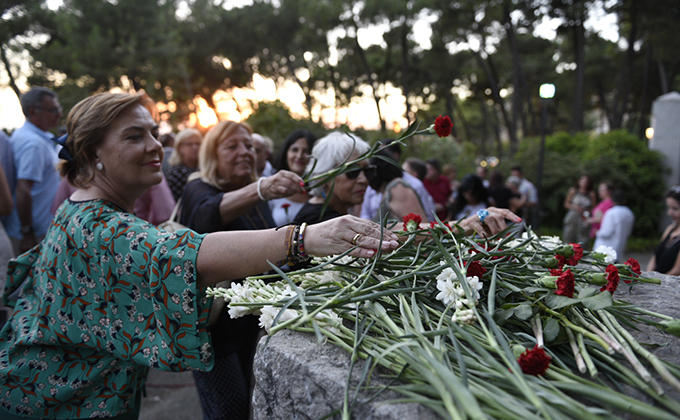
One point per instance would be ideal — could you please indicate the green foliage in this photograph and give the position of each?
(564, 143)
(273, 119)
(617, 156)
(448, 151)
(628, 162)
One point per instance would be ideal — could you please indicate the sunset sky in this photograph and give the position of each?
(361, 112)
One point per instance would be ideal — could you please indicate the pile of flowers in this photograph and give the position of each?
(511, 327)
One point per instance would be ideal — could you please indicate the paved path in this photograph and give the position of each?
(170, 396)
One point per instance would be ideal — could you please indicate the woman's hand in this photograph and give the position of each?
(337, 235)
(493, 223)
(281, 184)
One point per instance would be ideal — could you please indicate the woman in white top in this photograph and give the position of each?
(294, 157)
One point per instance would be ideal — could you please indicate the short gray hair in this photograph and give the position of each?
(34, 98)
(331, 151)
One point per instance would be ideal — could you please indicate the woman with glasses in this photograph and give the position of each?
(346, 190)
(107, 295)
(225, 194)
(666, 258)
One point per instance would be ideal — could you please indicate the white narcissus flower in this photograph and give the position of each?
(287, 292)
(330, 276)
(475, 286)
(447, 274)
(448, 291)
(609, 253)
(241, 291)
(329, 320)
(551, 242)
(238, 311)
(268, 313)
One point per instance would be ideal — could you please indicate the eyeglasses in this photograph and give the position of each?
(54, 110)
(369, 170)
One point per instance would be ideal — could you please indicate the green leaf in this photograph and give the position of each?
(556, 301)
(551, 329)
(586, 292)
(523, 311)
(502, 315)
(599, 301)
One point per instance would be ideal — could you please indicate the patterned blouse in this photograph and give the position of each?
(105, 297)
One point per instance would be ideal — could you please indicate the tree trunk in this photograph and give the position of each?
(579, 53)
(663, 77)
(8, 68)
(489, 70)
(405, 69)
(625, 82)
(518, 79)
(374, 84)
(461, 117)
(642, 121)
(449, 106)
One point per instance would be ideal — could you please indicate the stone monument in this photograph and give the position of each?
(666, 139)
(300, 379)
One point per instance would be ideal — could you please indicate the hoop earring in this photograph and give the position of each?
(99, 166)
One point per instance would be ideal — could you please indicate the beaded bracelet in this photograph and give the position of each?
(297, 252)
(301, 241)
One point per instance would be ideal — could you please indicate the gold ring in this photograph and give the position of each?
(356, 238)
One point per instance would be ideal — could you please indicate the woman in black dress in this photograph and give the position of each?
(666, 258)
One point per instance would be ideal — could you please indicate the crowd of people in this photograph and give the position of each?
(99, 294)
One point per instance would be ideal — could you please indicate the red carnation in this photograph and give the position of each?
(411, 222)
(285, 205)
(578, 254)
(565, 284)
(443, 126)
(534, 361)
(612, 279)
(634, 266)
(561, 261)
(556, 272)
(475, 269)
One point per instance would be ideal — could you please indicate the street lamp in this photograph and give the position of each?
(546, 92)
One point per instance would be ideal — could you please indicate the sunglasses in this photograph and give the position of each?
(54, 110)
(369, 170)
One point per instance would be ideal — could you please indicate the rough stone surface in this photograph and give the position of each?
(299, 379)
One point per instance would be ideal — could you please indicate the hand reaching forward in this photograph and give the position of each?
(281, 184)
(337, 235)
(493, 223)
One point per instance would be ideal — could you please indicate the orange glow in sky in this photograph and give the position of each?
(237, 105)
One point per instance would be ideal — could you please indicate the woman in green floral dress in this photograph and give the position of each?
(106, 295)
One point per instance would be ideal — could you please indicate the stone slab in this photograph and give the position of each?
(299, 379)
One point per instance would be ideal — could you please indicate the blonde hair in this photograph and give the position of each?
(87, 125)
(207, 154)
(186, 134)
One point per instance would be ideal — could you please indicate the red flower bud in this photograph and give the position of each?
(534, 361)
(565, 284)
(443, 126)
(475, 269)
(612, 279)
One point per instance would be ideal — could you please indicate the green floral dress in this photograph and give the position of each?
(104, 297)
